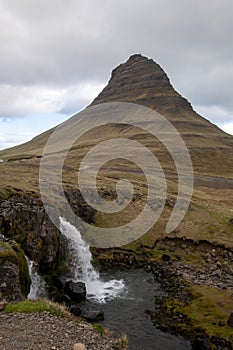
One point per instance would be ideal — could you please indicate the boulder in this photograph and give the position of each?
(76, 291)
(93, 316)
(228, 269)
(166, 257)
(75, 310)
(217, 273)
(79, 346)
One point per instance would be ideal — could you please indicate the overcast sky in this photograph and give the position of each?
(57, 55)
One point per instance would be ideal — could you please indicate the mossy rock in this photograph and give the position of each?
(24, 277)
(11, 254)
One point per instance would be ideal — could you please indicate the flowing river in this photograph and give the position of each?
(122, 295)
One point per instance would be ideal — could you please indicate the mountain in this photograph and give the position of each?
(142, 81)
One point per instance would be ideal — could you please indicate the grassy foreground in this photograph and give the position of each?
(42, 305)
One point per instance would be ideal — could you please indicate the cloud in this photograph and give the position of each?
(78, 97)
(228, 127)
(55, 55)
(24, 100)
(18, 101)
(11, 139)
(215, 113)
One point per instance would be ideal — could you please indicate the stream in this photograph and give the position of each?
(123, 296)
(126, 313)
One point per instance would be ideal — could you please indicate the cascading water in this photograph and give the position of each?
(83, 270)
(38, 285)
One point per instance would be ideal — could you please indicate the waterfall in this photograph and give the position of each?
(38, 285)
(82, 269)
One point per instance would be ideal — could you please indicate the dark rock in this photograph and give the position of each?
(76, 291)
(166, 257)
(163, 328)
(230, 320)
(75, 310)
(60, 282)
(93, 316)
(201, 342)
(228, 269)
(221, 343)
(217, 273)
(221, 323)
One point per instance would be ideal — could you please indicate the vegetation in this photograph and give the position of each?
(7, 253)
(42, 305)
(208, 310)
(122, 341)
(99, 328)
(13, 253)
(24, 277)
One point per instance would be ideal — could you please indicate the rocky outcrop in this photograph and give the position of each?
(23, 218)
(14, 275)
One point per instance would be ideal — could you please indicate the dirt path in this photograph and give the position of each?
(47, 332)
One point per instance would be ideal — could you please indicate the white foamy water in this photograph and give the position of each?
(83, 270)
(38, 285)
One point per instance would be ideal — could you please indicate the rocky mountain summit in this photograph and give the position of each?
(141, 80)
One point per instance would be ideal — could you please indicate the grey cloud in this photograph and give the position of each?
(57, 46)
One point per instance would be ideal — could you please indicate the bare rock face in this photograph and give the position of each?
(141, 80)
(14, 275)
(23, 218)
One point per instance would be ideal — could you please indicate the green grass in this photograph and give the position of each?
(209, 306)
(99, 328)
(42, 305)
(7, 253)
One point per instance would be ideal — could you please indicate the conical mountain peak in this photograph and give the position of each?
(141, 80)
